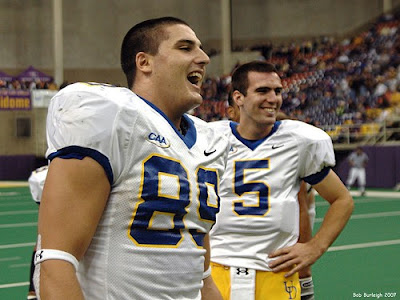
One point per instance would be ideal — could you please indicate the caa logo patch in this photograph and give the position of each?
(158, 140)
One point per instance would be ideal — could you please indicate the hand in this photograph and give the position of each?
(294, 258)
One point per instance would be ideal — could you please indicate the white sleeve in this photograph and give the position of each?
(318, 155)
(36, 182)
(85, 120)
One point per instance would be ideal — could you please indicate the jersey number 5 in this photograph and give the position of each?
(242, 185)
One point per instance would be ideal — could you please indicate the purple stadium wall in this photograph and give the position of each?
(16, 167)
(383, 169)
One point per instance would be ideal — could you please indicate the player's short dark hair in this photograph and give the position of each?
(143, 37)
(240, 78)
(231, 102)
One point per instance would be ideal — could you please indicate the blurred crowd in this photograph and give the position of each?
(329, 82)
(16, 84)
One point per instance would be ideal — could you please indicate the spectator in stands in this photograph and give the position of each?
(348, 71)
(3, 84)
(15, 85)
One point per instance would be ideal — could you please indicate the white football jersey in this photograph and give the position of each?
(148, 244)
(36, 182)
(259, 208)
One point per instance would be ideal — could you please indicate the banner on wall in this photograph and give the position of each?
(5, 77)
(15, 100)
(31, 74)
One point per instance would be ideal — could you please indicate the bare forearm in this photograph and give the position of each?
(210, 290)
(302, 255)
(73, 200)
(305, 224)
(58, 281)
(334, 221)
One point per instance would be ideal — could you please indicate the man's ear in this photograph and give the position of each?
(143, 62)
(238, 98)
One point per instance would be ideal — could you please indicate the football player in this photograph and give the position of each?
(255, 249)
(36, 182)
(306, 199)
(131, 191)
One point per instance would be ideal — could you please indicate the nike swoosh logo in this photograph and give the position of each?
(209, 153)
(277, 146)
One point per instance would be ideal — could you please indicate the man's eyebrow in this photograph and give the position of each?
(185, 41)
(267, 88)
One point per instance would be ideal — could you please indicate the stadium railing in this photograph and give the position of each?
(376, 133)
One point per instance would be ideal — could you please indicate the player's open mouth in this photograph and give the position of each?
(195, 77)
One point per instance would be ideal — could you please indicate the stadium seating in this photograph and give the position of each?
(348, 87)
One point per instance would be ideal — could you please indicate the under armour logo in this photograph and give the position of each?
(242, 270)
(290, 289)
(38, 255)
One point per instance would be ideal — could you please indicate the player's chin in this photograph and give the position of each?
(193, 101)
(269, 120)
(196, 97)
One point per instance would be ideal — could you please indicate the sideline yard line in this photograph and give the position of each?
(10, 285)
(14, 200)
(30, 224)
(19, 266)
(385, 194)
(18, 212)
(376, 215)
(7, 194)
(335, 248)
(361, 201)
(331, 249)
(10, 184)
(21, 245)
(24, 203)
(10, 258)
(369, 216)
(317, 220)
(364, 245)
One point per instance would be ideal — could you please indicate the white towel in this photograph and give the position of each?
(243, 283)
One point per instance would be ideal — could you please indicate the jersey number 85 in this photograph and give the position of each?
(160, 174)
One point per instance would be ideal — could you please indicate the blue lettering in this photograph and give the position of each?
(152, 136)
(157, 138)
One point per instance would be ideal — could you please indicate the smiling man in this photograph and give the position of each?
(255, 249)
(130, 196)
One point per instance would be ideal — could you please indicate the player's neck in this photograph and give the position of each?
(171, 111)
(254, 132)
